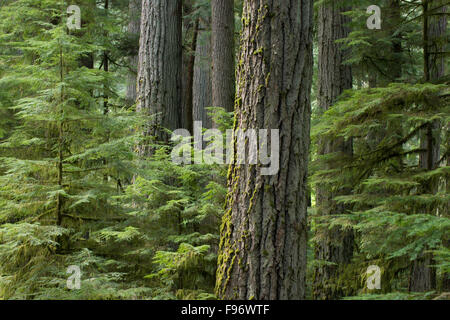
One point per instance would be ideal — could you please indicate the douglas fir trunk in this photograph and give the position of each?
(202, 97)
(263, 243)
(223, 55)
(159, 73)
(133, 34)
(335, 245)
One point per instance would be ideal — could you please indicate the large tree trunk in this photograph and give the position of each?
(134, 25)
(423, 276)
(223, 54)
(159, 72)
(335, 245)
(435, 36)
(202, 97)
(263, 242)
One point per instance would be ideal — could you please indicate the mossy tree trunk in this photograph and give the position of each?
(262, 252)
(335, 246)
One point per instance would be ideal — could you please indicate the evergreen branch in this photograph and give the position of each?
(93, 219)
(401, 141)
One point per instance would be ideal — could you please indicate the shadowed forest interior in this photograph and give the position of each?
(112, 186)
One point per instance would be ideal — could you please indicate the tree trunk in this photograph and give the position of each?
(437, 39)
(190, 31)
(434, 44)
(187, 25)
(134, 25)
(106, 68)
(336, 245)
(159, 72)
(223, 54)
(190, 79)
(263, 242)
(202, 97)
(446, 276)
(423, 276)
(393, 21)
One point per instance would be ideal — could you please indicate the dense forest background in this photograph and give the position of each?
(87, 180)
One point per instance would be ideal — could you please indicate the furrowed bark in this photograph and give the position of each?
(159, 73)
(263, 242)
(134, 27)
(202, 97)
(223, 55)
(190, 79)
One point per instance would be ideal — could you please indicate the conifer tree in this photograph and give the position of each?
(53, 166)
(134, 25)
(423, 275)
(262, 252)
(334, 246)
(160, 62)
(223, 54)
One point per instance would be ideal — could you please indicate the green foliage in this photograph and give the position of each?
(394, 215)
(393, 296)
(73, 191)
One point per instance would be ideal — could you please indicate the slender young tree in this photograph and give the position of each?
(335, 246)
(223, 54)
(160, 65)
(262, 252)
